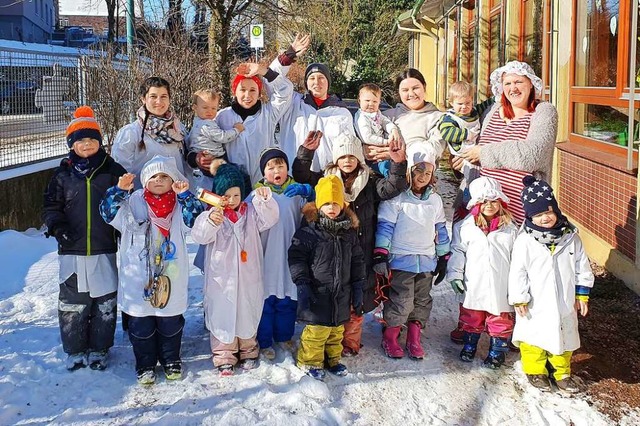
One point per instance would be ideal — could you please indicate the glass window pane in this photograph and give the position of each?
(533, 34)
(602, 122)
(495, 43)
(467, 67)
(597, 25)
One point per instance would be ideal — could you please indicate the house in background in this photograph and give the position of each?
(30, 21)
(586, 52)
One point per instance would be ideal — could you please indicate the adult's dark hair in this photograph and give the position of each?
(410, 73)
(144, 89)
(153, 82)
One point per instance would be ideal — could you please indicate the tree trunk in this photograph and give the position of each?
(111, 19)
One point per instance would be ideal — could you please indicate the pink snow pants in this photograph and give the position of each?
(478, 321)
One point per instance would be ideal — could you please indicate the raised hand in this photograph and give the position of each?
(300, 44)
(125, 182)
(180, 186)
(312, 141)
(263, 192)
(249, 69)
(397, 150)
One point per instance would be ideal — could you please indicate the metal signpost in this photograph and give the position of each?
(256, 36)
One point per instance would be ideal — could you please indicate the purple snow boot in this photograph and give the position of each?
(390, 342)
(413, 340)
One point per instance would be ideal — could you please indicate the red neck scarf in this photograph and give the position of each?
(234, 215)
(161, 209)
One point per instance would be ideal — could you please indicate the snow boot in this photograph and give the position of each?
(146, 376)
(457, 334)
(268, 353)
(568, 386)
(539, 381)
(497, 352)
(316, 373)
(468, 351)
(97, 360)
(339, 370)
(390, 342)
(173, 371)
(76, 361)
(413, 340)
(248, 364)
(225, 370)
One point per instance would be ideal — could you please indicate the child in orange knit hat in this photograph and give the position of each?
(86, 244)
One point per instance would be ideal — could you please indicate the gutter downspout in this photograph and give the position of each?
(419, 28)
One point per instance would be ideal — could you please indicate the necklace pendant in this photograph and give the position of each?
(243, 256)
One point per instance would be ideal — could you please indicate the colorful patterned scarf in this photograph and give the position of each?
(164, 130)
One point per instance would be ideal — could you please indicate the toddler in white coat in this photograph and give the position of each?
(549, 283)
(233, 267)
(479, 269)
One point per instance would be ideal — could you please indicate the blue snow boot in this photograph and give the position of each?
(497, 352)
(468, 351)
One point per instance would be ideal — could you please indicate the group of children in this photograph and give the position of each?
(334, 239)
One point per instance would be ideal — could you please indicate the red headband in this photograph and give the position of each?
(239, 78)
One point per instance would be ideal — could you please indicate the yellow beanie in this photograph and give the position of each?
(330, 190)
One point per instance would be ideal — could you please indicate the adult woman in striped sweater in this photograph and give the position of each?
(517, 139)
(518, 133)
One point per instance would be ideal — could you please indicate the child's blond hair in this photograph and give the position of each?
(460, 89)
(205, 94)
(503, 214)
(370, 87)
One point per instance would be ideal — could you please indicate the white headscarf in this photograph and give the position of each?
(514, 67)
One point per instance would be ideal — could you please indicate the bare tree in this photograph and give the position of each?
(226, 20)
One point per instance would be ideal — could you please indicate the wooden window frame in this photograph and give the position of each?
(606, 96)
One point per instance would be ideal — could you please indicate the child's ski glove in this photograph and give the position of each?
(441, 268)
(458, 286)
(303, 189)
(381, 261)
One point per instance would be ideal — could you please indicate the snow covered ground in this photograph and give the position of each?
(36, 389)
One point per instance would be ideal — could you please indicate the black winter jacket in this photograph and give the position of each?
(325, 265)
(71, 203)
(365, 206)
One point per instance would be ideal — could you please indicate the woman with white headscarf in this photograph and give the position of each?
(518, 133)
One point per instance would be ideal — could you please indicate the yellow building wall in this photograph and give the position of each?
(427, 64)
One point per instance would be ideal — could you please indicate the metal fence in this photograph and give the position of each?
(40, 88)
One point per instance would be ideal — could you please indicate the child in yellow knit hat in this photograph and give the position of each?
(324, 251)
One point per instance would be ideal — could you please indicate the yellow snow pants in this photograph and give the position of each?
(318, 340)
(534, 361)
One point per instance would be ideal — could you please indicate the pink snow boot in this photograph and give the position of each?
(413, 340)
(390, 342)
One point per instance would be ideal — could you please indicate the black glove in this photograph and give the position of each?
(64, 236)
(357, 297)
(381, 261)
(306, 298)
(441, 269)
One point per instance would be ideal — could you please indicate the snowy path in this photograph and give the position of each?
(36, 389)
